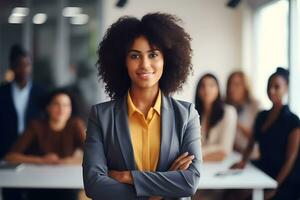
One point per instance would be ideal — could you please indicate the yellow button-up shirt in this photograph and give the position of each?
(145, 134)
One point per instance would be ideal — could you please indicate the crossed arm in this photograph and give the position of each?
(181, 181)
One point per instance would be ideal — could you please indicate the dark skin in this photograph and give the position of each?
(145, 67)
(22, 71)
(277, 89)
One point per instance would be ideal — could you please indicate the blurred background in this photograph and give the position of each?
(62, 36)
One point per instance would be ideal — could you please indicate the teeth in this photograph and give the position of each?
(144, 75)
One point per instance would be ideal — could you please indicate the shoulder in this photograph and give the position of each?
(262, 113)
(252, 105)
(105, 106)
(105, 109)
(229, 110)
(261, 116)
(292, 118)
(5, 87)
(183, 109)
(76, 122)
(37, 125)
(183, 105)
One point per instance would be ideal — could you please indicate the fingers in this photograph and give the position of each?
(177, 160)
(185, 162)
(186, 165)
(239, 165)
(181, 156)
(182, 162)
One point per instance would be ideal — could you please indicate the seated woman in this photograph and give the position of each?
(277, 132)
(218, 121)
(56, 140)
(238, 95)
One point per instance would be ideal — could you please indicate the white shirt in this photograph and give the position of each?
(20, 99)
(221, 136)
(246, 117)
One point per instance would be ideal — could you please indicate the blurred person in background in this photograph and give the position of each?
(277, 132)
(218, 120)
(238, 95)
(58, 139)
(20, 100)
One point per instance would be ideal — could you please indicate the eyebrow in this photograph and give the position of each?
(137, 51)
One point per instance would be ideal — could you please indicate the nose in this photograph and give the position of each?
(145, 62)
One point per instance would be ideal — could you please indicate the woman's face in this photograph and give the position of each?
(60, 108)
(237, 90)
(144, 64)
(277, 89)
(208, 90)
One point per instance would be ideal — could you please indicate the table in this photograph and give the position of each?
(70, 177)
(249, 178)
(42, 176)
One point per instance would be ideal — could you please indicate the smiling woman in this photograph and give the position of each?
(143, 144)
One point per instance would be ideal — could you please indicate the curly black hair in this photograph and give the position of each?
(162, 31)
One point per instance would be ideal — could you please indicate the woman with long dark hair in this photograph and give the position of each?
(238, 94)
(218, 121)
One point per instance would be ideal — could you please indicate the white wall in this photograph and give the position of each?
(216, 33)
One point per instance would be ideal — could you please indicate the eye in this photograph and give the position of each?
(153, 55)
(134, 56)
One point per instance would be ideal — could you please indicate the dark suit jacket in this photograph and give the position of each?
(8, 114)
(108, 147)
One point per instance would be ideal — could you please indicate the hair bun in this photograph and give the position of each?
(283, 72)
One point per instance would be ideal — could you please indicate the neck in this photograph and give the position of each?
(143, 99)
(57, 125)
(21, 83)
(207, 108)
(277, 106)
(239, 102)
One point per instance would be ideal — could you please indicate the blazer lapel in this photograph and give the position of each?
(11, 106)
(167, 127)
(122, 130)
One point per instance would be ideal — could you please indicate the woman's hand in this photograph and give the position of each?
(75, 159)
(50, 158)
(182, 162)
(238, 165)
(121, 176)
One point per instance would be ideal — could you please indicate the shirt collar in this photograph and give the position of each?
(17, 88)
(132, 108)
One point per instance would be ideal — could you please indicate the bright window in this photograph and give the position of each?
(295, 68)
(272, 45)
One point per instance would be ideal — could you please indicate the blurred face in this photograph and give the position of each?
(23, 69)
(144, 64)
(208, 90)
(60, 108)
(237, 90)
(277, 89)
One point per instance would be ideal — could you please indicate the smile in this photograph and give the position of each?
(145, 74)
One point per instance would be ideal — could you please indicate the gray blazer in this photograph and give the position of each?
(108, 147)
